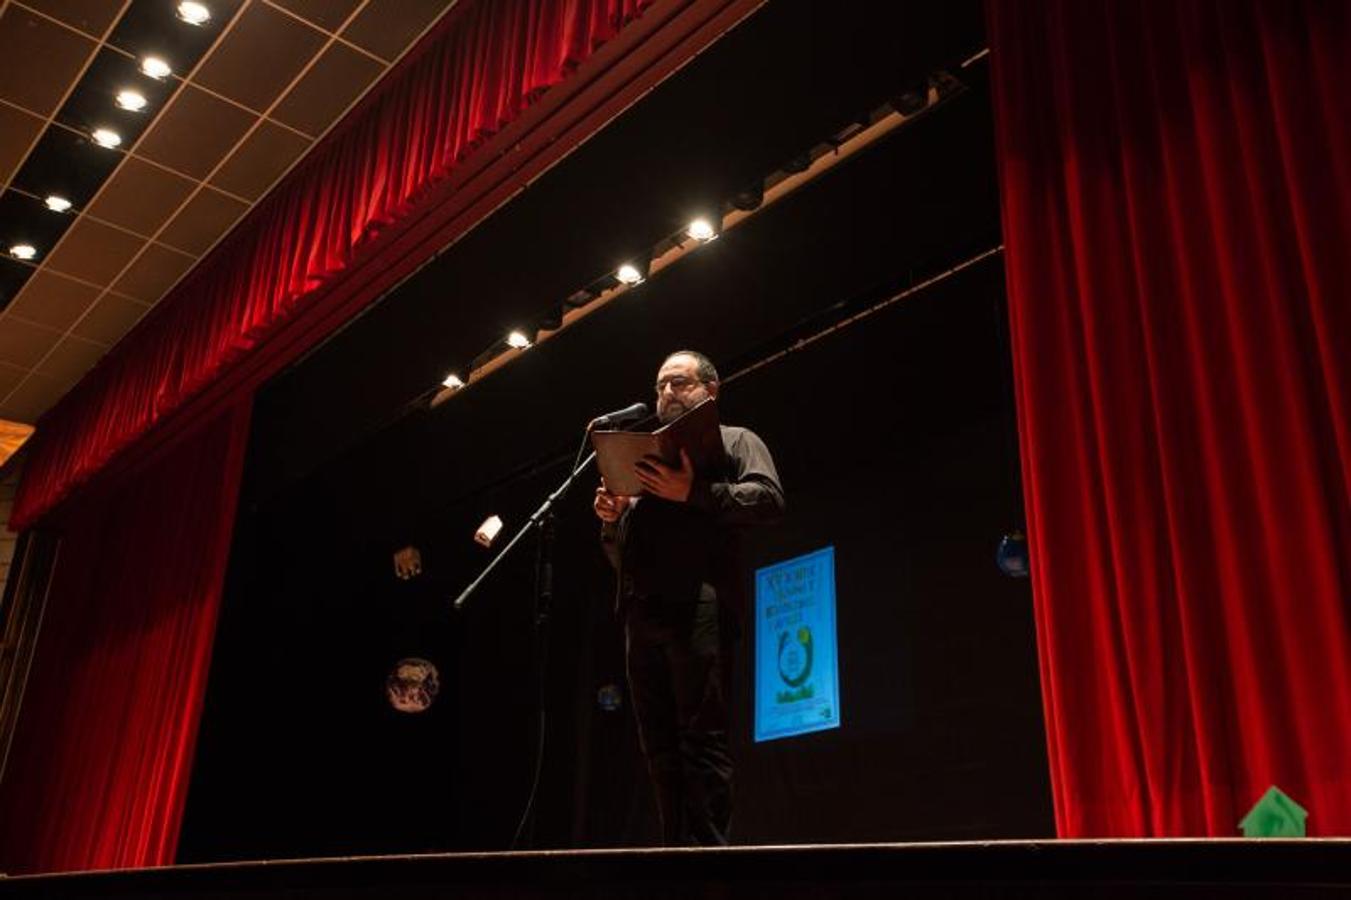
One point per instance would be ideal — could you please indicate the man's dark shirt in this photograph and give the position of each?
(662, 549)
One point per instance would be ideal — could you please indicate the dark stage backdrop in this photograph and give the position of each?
(893, 441)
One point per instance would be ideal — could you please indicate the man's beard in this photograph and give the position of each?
(672, 411)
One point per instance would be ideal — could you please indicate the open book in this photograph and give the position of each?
(696, 432)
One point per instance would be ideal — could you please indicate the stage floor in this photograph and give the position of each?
(1196, 868)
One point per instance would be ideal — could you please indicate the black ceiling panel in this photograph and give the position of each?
(66, 163)
(13, 276)
(27, 220)
(150, 28)
(93, 103)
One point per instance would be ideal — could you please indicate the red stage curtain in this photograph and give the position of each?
(1176, 181)
(492, 60)
(98, 771)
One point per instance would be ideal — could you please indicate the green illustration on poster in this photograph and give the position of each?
(796, 671)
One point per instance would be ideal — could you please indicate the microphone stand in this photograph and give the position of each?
(543, 519)
(537, 519)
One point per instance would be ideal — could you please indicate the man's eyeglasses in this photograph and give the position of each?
(677, 383)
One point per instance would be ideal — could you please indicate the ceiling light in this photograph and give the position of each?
(106, 137)
(57, 203)
(518, 340)
(629, 274)
(193, 13)
(155, 67)
(23, 251)
(453, 382)
(702, 230)
(131, 100)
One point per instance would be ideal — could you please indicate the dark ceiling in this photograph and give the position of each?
(250, 90)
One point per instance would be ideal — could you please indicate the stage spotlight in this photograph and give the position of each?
(750, 199)
(630, 274)
(578, 299)
(488, 531)
(552, 320)
(913, 100)
(57, 203)
(702, 230)
(23, 251)
(452, 381)
(518, 340)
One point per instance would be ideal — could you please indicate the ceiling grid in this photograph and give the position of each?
(252, 90)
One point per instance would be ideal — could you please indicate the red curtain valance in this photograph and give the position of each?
(489, 63)
(1176, 185)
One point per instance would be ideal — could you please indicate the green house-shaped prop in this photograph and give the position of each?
(1275, 815)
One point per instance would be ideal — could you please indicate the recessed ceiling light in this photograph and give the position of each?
(155, 67)
(629, 274)
(131, 100)
(518, 340)
(106, 137)
(57, 203)
(453, 382)
(193, 13)
(23, 251)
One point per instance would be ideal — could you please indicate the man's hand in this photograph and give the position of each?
(661, 480)
(609, 507)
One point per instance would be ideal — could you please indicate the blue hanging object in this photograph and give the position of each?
(1011, 556)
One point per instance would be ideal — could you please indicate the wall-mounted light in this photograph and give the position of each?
(518, 340)
(452, 381)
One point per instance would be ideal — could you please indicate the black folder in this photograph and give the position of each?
(696, 432)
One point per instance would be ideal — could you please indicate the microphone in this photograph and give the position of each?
(623, 416)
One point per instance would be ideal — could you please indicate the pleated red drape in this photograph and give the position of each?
(479, 74)
(1176, 181)
(98, 774)
(98, 771)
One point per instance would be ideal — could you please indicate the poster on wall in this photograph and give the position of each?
(796, 671)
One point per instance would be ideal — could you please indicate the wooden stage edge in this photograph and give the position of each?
(1115, 868)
